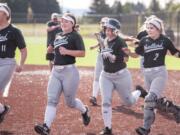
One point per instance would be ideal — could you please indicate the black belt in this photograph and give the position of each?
(3, 57)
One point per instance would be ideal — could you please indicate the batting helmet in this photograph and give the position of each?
(113, 24)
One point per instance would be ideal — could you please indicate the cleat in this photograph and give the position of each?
(86, 118)
(93, 101)
(142, 131)
(3, 114)
(177, 115)
(106, 131)
(142, 90)
(42, 129)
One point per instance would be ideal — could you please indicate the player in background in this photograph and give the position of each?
(99, 65)
(11, 38)
(64, 76)
(53, 27)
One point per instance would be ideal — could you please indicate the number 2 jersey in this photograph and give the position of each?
(154, 51)
(10, 39)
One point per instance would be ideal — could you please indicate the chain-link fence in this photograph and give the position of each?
(130, 22)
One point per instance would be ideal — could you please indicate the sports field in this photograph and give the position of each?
(27, 96)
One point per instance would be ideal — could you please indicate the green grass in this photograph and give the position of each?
(37, 48)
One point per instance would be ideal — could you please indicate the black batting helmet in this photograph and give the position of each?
(113, 24)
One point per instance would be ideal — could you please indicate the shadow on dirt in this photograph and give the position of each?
(6, 133)
(128, 111)
(166, 115)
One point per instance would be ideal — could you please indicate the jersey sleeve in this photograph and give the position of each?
(20, 42)
(140, 48)
(79, 42)
(170, 46)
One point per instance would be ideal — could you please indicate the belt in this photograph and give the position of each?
(118, 72)
(153, 69)
(63, 66)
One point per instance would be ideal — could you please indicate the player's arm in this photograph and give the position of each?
(51, 28)
(74, 53)
(93, 47)
(173, 50)
(23, 57)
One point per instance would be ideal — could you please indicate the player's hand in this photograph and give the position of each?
(50, 49)
(63, 51)
(91, 47)
(126, 50)
(19, 68)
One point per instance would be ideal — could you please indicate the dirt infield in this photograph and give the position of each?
(27, 99)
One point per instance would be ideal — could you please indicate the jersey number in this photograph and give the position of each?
(3, 48)
(156, 56)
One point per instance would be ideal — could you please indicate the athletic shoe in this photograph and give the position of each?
(177, 115)
(93, 101)
(142, 131)
(142, 90)
(42, 129)
(106, 131)
(3, 114)
(86, 118)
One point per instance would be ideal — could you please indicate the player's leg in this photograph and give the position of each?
(54, 91)
(149, 114)
(98, 69)
(124, 87)
(70, 87)
(6, 72)
(168, 106)
(106, 88)
(157, 86)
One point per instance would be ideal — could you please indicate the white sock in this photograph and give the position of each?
(80, 106)
(107, 116)
(136, 94)
(95, 89)
(50, 114)
(1, 108)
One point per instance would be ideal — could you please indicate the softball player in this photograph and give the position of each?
(115, 75)
(10, 38)
(154, 48)
(64, 76)
(52, 29)
(99, 64)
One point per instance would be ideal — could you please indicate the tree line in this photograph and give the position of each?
(97, 7)
(101, 7)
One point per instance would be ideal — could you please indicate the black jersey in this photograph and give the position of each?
(51, 34)
(71, 41)
(154, 51)
(116, 45)
(10, 38)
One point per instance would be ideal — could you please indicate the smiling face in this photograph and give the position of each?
(66, 25)
(153, 31)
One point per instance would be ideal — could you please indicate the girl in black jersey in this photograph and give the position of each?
(10, 38)
(64, 76)
(99, 65)
(53, 27)
(115, 75)
(154, 48)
